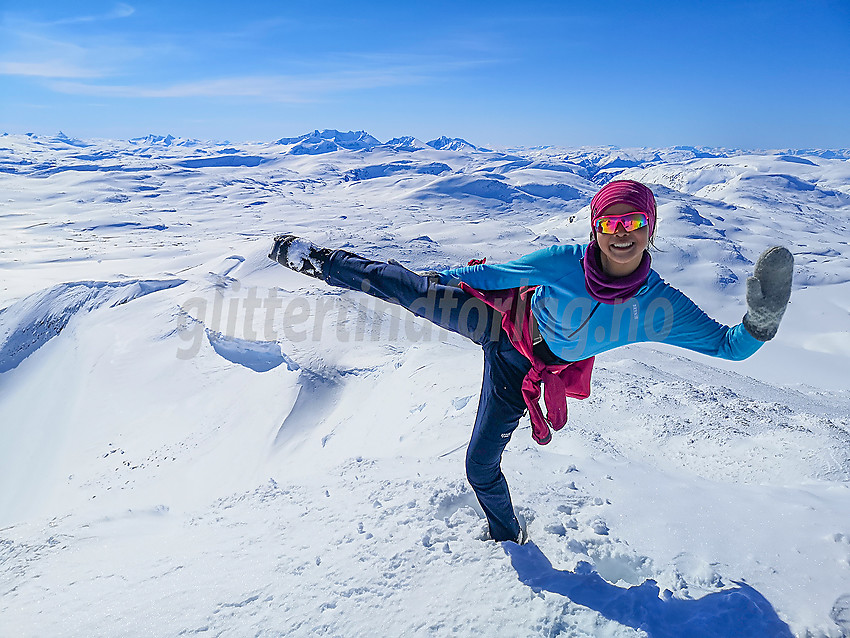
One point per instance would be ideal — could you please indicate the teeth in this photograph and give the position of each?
(623, 245)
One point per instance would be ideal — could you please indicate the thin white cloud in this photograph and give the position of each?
(298, 88)
(272, 88)
(108, 64)
(119, 11)
(123, 11)
(47, 69)
(45, 50)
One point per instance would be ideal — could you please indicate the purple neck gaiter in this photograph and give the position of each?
(607, 289)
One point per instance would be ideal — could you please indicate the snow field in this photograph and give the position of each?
(199, 441)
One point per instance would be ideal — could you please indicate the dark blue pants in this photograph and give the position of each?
(500, 405)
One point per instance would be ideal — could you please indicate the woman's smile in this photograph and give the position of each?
(624, 244)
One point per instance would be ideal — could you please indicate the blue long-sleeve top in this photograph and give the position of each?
(561, 305)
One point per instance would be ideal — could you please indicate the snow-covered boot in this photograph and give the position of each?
(299, 254)
(522, 537)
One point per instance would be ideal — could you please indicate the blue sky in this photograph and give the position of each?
(755, 74)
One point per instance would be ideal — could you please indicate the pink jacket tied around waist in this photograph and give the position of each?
(559, 381)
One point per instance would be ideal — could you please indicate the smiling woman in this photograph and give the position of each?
(544, 317)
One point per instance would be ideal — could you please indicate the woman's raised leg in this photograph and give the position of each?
(446, 306)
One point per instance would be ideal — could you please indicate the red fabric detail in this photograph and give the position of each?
(476, 262)
(559, 381)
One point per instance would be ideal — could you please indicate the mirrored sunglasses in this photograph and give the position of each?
(607, 225)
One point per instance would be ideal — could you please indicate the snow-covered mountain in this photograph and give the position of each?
(444, 143)
(195, 439)
(328, 141)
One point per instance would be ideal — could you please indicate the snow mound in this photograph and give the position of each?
(317, 395)
(794, 159)
(564, 167)
(27, 325)
(397, 168)
(488, 188)
(229, 161)
(548, 191)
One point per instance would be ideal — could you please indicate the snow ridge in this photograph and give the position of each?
(27, 325)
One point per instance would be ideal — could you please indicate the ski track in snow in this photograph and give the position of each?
(248, 451)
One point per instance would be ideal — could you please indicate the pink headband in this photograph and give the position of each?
(623, 191)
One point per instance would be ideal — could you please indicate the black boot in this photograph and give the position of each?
(301, 255)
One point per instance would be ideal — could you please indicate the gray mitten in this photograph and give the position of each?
(768, 291)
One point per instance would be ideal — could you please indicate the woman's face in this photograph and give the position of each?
(622, 252)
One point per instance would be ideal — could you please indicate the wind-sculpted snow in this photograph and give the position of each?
(259, 356)
(61, 137)
(49, 170)
(317, 394)
(27, 325)
(398, 168)
(484, 187)
(690, 215)
(546, 191)
(117, 225)
(223, 161)
(309, 442)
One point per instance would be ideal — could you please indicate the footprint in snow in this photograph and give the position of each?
(221, 278)
(447, 503)
(459, 403)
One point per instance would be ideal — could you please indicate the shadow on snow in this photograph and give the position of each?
(740, 611)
